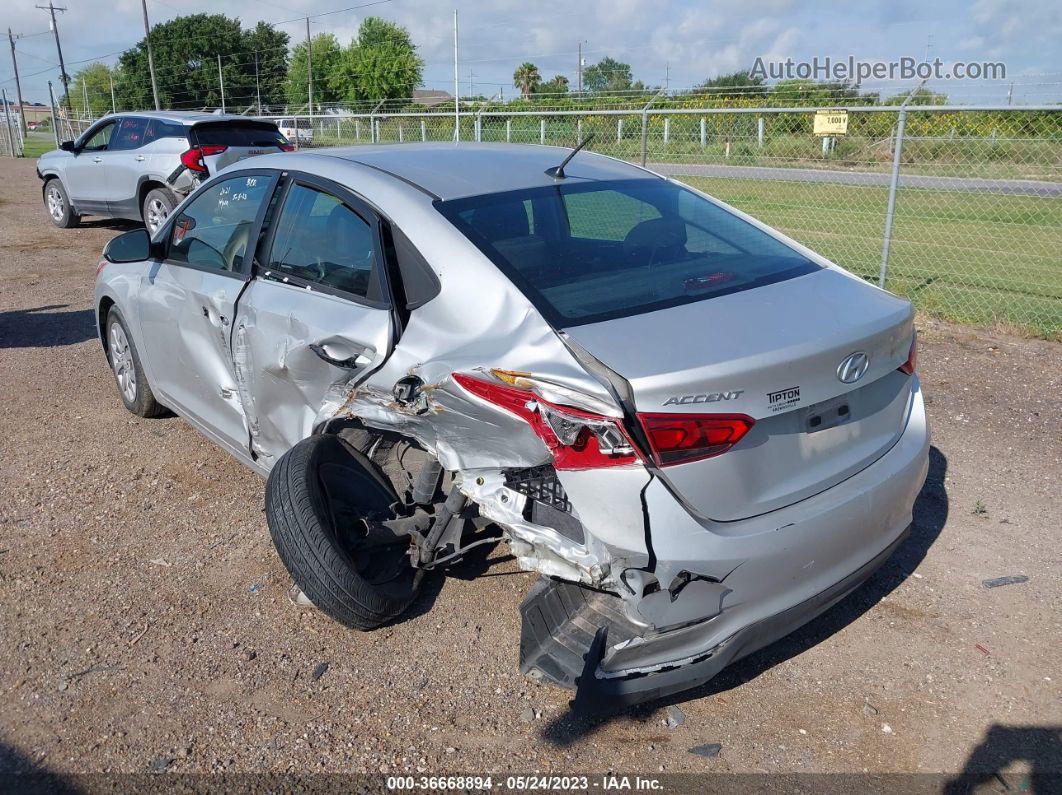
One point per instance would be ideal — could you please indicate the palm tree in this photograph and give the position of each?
(526, 78)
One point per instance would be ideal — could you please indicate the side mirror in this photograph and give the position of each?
(132, 246)
(68, 146)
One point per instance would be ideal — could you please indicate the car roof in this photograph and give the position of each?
(454, 170)
(189, 117)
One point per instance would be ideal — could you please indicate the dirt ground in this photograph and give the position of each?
(145, 623)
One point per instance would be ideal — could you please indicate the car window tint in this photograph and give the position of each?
(321, 240)
(248, 133)
(214, 229)
(606, 215)
(99, 139)
(128, 134)
(589, 252)
(157, 128)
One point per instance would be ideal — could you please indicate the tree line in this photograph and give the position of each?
(196, 55)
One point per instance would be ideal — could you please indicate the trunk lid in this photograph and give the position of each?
(772, 353)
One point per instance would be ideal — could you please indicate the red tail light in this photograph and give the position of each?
(286, 147)
(577, 439)
(193, 158)
(680, 438)
(911, 364)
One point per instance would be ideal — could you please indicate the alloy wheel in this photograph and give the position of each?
(122, 362)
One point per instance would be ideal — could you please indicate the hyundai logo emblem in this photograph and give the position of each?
(853, 367)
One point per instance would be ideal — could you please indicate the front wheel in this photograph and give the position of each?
(129, 375)
(325, 502)
(57, 203)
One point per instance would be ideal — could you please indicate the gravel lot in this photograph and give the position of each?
(145, 622)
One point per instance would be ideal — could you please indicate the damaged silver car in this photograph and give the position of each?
(700, 433)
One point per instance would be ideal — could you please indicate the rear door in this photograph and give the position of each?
(316, 320)
(124, 166)
(188, 300)
(231, 141)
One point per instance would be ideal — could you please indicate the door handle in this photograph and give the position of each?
(140, 158)
(97, 159)
(350, 363)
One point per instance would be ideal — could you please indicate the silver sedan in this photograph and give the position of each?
(700, 433)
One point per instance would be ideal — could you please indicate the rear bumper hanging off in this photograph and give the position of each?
(567, 629)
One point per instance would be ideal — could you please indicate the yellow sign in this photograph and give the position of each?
(831, 122)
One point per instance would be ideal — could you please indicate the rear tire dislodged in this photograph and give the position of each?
(317, 495)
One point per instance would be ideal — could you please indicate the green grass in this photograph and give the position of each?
(978, 258)
(35, 147)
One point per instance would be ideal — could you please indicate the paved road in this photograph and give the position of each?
(1017, 187)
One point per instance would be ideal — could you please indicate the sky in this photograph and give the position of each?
(677, 42)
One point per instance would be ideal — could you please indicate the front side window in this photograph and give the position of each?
(128, 134)
(214, 230)
(586, 252)
(320, 239)
(98, 140)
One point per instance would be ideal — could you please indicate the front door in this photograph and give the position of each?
(188, 302)
(315, 321)
(85, 175)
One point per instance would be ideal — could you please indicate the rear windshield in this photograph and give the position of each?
(241, 133)
(588, 252)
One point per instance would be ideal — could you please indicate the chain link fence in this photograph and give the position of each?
(958, 208)
(976, 223)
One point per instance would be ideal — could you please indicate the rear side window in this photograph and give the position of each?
(128, 134)
(157, 128)
(588, 252)
(321, 240)
(238, 134)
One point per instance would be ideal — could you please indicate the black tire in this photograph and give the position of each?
(157, 205)
(141, 400)
(62, 212)
(317, 496)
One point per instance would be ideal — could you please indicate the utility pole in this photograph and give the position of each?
(667, 73)
(257, 85)
(151, 57)
(470, 91)
(457, 87)
(1010, 91)
(84, 97)
(309, 63)
(52, 8)
(580, 69)
(18, 86)
(114, 106)
(221, 80)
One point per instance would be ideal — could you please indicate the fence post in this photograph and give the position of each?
(704, 132)
(542, 130)
(401, 138)
(578, 130)
(759, 131)
(894, 182)
(357, 130)
(508, 130)
(619, 130)
(890, 209)
(10, 128)
(55, 120)
(667, 129)
(423, 130)
(645, 126)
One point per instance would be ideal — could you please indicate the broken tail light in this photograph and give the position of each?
(577, 439)
(681, 438)
(911, 364)
(193, 158)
